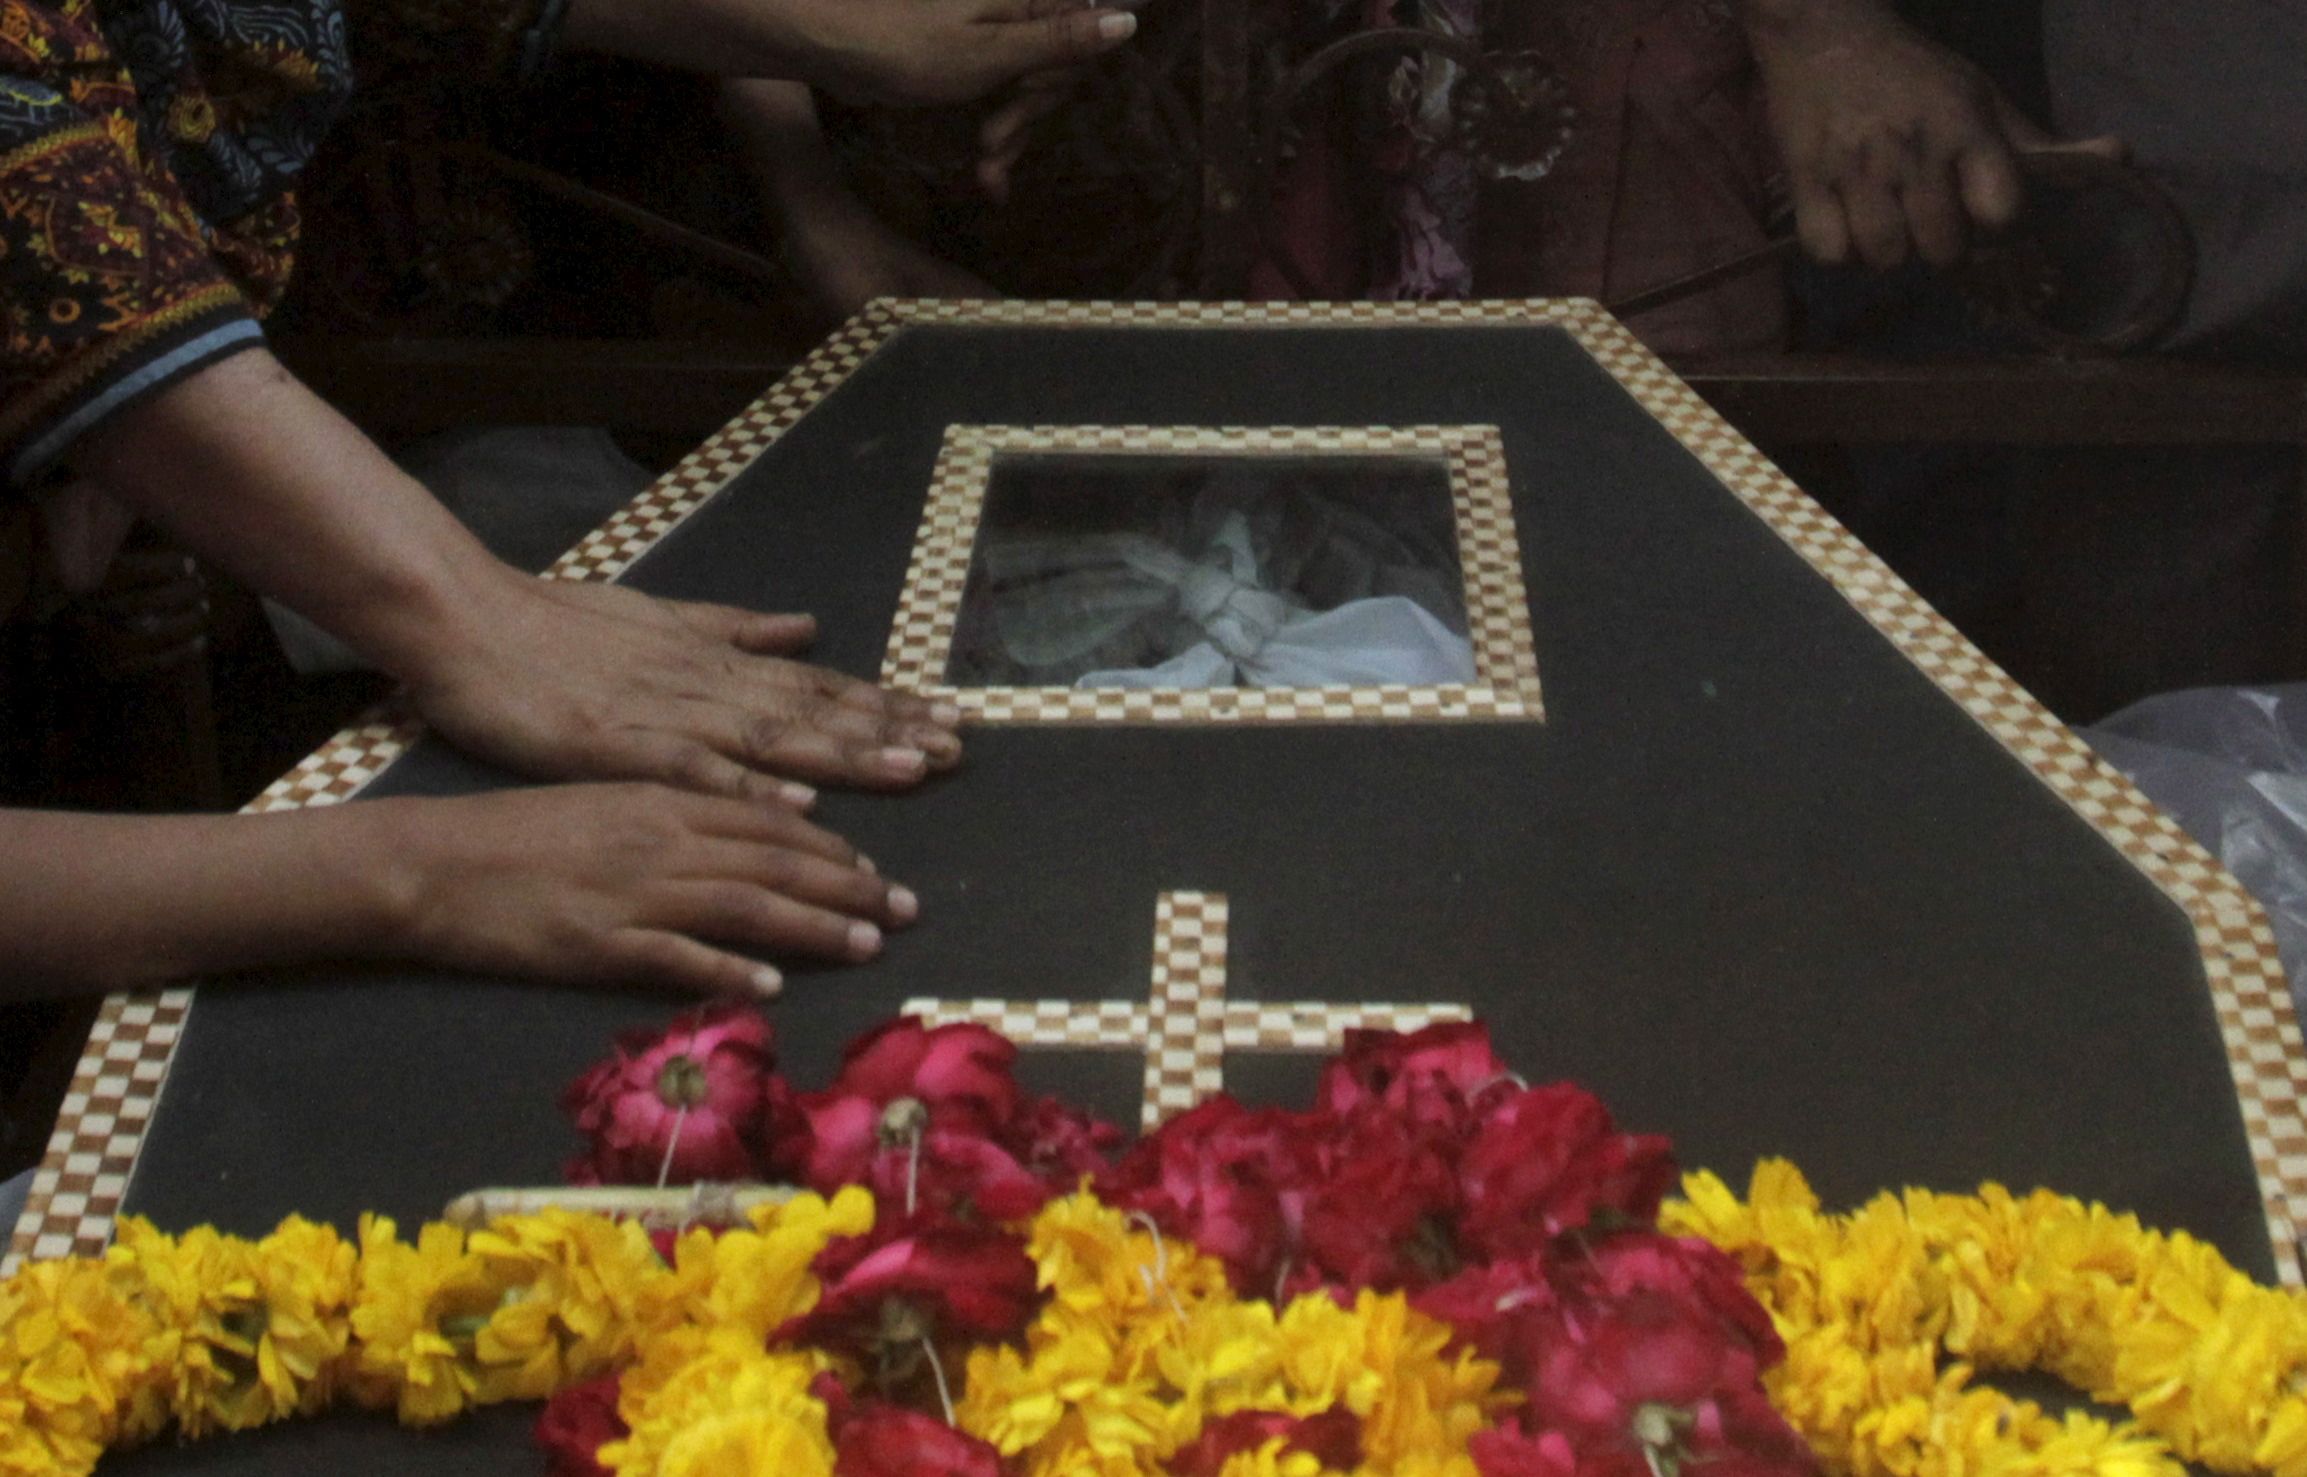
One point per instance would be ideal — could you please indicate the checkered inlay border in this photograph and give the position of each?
(2246, 979)
(1489, 557)
(100, 1128)
(2248, 990)
(665, 504)
(1188, 1025)
(1189, 1004)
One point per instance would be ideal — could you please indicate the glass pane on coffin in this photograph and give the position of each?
(1104, 570)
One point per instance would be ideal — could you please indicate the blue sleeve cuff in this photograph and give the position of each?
(163, 361)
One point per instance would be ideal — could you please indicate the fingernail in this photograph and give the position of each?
(767, 982)
(864, 939)
(903, 905)
(945, 715)
(799, 796)
(865, 865)
(912, 761)
(1119, 26)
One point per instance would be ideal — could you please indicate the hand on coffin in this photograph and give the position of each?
(906, 52)
(551, 678)
(627, 884)
(587, 681)
(589, 884)
(1894, 146)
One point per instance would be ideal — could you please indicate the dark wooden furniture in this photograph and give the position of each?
(412, 385)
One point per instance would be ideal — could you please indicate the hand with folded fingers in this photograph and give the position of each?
(1895, 147)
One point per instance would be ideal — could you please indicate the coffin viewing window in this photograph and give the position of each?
(1203, 574)
(1184, 572)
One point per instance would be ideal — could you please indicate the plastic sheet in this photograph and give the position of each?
(2229, 764)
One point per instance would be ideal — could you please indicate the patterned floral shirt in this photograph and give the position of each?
(148, 152)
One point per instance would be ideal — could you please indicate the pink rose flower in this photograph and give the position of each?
(875, 1438)
(932, 1111)
(915, 1279)
(691, 1102)
(1435, 1076)
(1058, 1144)
(1232, 1181)
(1656, 1349)
(961, 1073)
(1510, 1451)
(1383, 1213)
(1547, 1160)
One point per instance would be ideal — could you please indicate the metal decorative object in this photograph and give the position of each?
(2050, 289)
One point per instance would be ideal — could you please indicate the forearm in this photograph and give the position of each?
(1773, 18)
(722, 38)
(255, 473)
(96, 903)
(909, 52)
(781, 142)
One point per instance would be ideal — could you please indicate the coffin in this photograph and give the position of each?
(1723, 821)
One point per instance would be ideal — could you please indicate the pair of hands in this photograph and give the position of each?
(678, 880)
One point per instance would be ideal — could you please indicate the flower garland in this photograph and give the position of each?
(215, 1333)
(1889, 1312)
(1435, 1271)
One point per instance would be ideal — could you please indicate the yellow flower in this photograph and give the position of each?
(727, 1409)
(1095, 1260)
(414, 1316)
(1072, 1393)
(573, 1288)
(305, 1274)
(250, 1332)
(1273, 1459)
(1886, 1310)
(1227, 1358)
(76, 1367)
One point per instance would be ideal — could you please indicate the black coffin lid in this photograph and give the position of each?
(1754, 880)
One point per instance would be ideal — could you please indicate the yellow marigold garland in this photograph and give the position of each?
(1888, 1311)
(1142, 1342)
(1138, 1344)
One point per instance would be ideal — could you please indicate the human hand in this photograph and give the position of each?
(847, 257)
(624, 884)
(589, 681)
(1007, 132)
(1893, 145)
(951, 51)
(905, 52)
